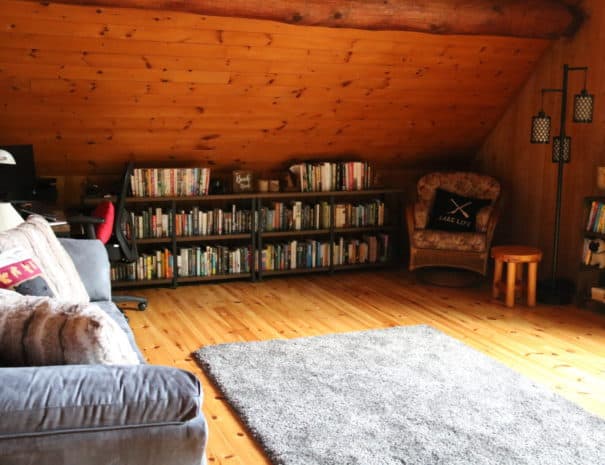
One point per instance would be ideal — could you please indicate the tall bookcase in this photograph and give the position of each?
(257, 237)
(589, 275)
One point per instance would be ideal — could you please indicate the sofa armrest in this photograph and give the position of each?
(92, 263)
(61, 399)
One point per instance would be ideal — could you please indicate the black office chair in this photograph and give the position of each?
(114, 227)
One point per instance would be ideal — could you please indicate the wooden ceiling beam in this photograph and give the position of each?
(539, 19)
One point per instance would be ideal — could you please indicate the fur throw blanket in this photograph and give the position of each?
(47, 331)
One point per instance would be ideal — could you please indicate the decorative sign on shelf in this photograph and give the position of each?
(243, 181)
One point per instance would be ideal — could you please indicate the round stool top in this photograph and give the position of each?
(516, 253)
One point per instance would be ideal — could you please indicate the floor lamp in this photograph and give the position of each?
(559, 291)
(9, 218)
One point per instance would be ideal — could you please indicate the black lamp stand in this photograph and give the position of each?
(557, 291)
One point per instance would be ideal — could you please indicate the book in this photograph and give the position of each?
(169, 182)
(332, 176)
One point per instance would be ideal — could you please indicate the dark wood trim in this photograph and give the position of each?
(543, 19)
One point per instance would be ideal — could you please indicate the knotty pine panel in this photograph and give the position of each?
(94, 87)
(526, 170)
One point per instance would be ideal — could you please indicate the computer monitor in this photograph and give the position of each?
(18, 182)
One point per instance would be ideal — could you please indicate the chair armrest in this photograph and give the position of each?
(88, 223)
(82, 219)
(409, 219)
(91, 261)
(59, 399)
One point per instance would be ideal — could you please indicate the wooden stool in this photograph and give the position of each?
(515, 256)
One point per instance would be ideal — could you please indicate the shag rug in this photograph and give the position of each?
(399, 396)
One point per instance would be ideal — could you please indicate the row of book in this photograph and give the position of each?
(222, 260)
(333, 176)
(311, 253)
(153, 265)
(157, 222)
(297, 216)
(371, 249)
(169, 182)
(212, 261)
(191, 261)
(596, 217)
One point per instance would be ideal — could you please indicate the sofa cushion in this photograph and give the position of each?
(47, 331)
(36, 237)
(19, 271)
(444, 240)
(91, 261)
(89, 398)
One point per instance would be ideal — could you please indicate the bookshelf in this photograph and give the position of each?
(257, 238)
(590, 275)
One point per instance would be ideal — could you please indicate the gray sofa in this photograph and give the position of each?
(98, 414)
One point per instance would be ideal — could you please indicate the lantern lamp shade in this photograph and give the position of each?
(583, 106)
(556, 149)
(540, 128)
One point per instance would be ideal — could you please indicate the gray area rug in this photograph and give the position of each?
(399, 396)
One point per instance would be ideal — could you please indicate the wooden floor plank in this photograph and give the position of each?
(559, 347)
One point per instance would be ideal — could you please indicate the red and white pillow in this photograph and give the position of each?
(36, 238)
(20, 272)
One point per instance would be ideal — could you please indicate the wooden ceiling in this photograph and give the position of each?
(93, 86)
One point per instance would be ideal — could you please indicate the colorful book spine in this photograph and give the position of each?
(170, 182)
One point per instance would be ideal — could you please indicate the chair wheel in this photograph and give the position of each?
(142, 306)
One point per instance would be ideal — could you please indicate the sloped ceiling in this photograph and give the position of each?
(92, 87)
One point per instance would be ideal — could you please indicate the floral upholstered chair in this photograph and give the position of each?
(467, 249)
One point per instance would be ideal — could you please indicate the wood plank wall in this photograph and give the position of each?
(94, 87)
(527, 171)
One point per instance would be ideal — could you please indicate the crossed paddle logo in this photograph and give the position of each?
(459, 208)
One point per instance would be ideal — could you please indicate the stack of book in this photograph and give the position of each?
(152, 222)
(157, 222)
(217, 221)
(371, 249)
(213, 260)
(349, 215)
(327, 176)
(596, 217)
(295, 255)
(169, 182)
(297, 216)
(154, 265)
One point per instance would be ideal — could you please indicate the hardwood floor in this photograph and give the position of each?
(562, 348)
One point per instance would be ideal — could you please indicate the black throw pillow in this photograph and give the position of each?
(453, 212)
(19, 272)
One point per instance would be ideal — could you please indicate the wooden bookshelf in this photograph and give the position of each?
(256, 238)
(589, 275)
(92, 201)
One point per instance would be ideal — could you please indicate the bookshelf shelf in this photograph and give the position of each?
(141, 282)
(305, 232)
(593, 235)
(358, 266)
(216, 277)
(253, 203)
(92, 201)
(155, 240)
(213, 238)
(318, 269)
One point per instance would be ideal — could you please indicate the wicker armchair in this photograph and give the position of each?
(468, 250)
